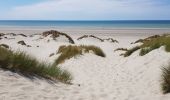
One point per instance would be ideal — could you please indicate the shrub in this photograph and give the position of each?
(68, 52)
(28, 66)
(166, 80)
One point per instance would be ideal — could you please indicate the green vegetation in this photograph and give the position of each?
(155, 43)
(100, 39)
(28, 66)
(70, 51)
(146, 50)
(130, 51)
(56, 34)
(121, 49)
(4, 45)
(166, 80)
(150, 44)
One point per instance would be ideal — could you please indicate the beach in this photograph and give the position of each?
(113, 77)
(77, 31)
(84, 50)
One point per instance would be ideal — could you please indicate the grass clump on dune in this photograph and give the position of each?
(166, 80)
(146, 50)
(152, 43)
(70, 51)
(155, 43)
(55, 34)
(121, 49)
(130, 51)
(28, 66)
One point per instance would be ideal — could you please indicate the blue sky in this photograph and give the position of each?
(85, 9)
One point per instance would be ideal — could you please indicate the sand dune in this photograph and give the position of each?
(94, 78)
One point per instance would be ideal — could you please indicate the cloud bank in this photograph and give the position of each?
(91, 10)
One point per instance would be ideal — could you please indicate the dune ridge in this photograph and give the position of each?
(113, 77)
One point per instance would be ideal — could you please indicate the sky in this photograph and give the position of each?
(85, 10)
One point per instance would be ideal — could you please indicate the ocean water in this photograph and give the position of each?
(115, 24)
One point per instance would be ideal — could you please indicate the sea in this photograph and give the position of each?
(104, 24)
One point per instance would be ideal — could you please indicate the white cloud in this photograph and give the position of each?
(87, 9)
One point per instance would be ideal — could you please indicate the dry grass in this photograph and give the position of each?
(56, 34)
(28, 66)
(166, 79)
(151, 43)
(130, 51)
(121, 49)
(86, 36)
(68, 52)
(4, 45)
(148, 38)
(157, 42)
(146, 50)
(100, 39)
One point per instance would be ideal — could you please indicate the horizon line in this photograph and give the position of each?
(83, 20)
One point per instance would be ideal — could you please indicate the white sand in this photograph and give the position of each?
(77, 31)
(111, 78)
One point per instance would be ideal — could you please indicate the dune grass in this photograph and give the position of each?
(166, 79)
(130, 51)
(100, 39)
(146, 50)
(121, 49)
(155, 43)
(28, 66)
(70, 51)
(4, 45)
(150, 44)
(56, 34)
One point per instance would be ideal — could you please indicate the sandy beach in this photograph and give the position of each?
(113, 77)
(78, 31)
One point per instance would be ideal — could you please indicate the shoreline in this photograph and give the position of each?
(82, 31)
